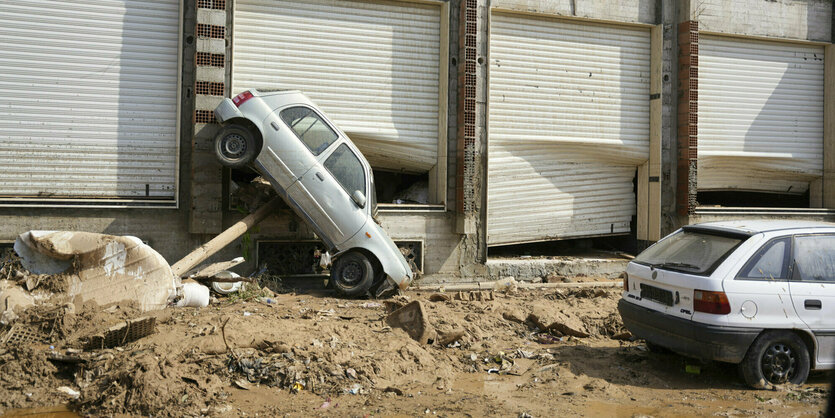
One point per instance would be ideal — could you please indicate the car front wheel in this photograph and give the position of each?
(235, 146)
(352, 274)
(775, 357)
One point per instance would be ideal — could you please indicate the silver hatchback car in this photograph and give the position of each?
(322, 175)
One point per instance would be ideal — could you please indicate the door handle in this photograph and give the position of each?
(319, 176)
(812, 304)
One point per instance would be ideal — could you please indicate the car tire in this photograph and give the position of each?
(235, 146)
(775, 357)
(352, 274)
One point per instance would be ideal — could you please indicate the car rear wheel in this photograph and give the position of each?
(352, 274)
(235, 146)
(775, 357)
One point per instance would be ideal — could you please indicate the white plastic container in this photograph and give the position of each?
(194, 295)
(225, 288)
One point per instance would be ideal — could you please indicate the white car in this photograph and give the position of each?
(760, 294)
(322, 175)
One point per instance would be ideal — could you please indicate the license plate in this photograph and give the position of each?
(664, 297)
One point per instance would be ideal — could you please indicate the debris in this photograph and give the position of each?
(69, 391)
(96, 267)
(507, 285)
(372, 305)
(356, 389)
(222, 282)
(213, 269)
(194, 295)
(393, 390)
(438, 297)
(412, 319)
(297, 387)
(513, 314)
(351, 373)
(243, 384)
(477, 295)
(449, 337)
(549, 320)
(624, 336)
(122, 334)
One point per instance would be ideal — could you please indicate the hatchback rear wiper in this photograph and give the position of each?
(675, 265)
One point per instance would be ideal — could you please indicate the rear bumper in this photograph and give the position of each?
(685, 337)
(227, 110)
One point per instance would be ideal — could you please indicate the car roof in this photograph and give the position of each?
(751, 227)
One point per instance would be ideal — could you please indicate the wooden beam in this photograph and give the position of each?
(655, 118)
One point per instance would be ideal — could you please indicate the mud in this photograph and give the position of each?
(312, 354)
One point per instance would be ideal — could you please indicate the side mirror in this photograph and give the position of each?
(358, 198)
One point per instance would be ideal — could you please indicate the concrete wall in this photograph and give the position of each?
(792, 19)
(636, 11)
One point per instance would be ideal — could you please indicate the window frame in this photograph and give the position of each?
(321, 119)
(757, 256)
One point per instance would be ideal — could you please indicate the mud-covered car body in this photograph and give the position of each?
(320, 173)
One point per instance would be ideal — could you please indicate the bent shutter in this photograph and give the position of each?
(760, 115)
(568, 126)
(373, 68)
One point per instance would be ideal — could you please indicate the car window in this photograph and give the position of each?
(309, 127)
(769, 263)
(347, 169)
(689, 251)
(814, 257)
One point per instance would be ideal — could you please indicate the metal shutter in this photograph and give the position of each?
(760, 115)
(373, 67)
(89, 103)
(568, 126)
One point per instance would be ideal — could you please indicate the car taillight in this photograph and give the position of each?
(711, 302)
(625, 278)
(241, 98)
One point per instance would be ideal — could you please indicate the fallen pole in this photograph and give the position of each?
(225, 238)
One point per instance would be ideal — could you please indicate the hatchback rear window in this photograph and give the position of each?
(689, 251)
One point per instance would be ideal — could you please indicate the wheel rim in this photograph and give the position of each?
(352, 273)
(779, 363)
(233, 146)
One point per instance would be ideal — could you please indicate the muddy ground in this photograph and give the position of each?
(313, 354)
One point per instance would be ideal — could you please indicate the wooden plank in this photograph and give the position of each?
(643, 201)
(655, 119)
(829, 127)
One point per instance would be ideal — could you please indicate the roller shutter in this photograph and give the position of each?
(89, 103)
(568, 126)
(373, 67)
(760, 115)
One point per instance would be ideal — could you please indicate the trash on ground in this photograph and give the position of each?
(412, 319)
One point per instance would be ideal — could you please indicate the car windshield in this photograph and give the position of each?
(689, 251)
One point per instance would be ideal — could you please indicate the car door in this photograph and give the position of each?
(331, 185)
(812, 289)
(285, 156)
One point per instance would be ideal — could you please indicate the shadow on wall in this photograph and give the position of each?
(767, 134)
